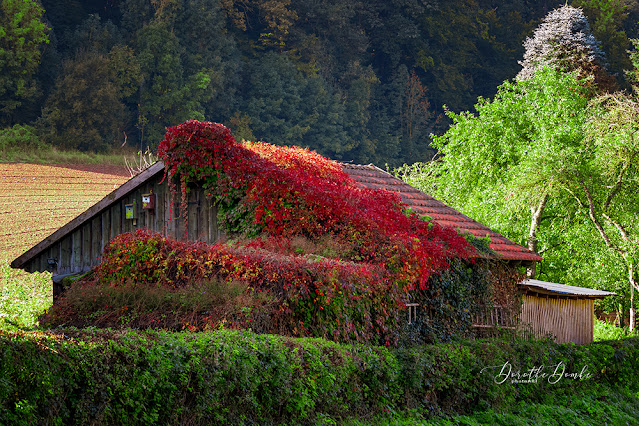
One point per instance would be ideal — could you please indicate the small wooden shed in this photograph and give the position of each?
(564, 311)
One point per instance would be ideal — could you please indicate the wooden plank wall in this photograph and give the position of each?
(82, 248)
(568, 319)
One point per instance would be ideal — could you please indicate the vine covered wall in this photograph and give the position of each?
(281, 192)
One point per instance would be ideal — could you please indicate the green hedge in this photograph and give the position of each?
(132, 377)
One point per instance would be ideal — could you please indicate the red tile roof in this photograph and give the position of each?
(421, 203)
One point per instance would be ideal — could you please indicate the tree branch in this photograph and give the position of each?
(534, 223)
(595, 221)
(631, 276)
(616, 187)
(550, 248)
(622, 231)
(552, 216)
(575, 196)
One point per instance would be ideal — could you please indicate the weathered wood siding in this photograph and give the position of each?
(82, 241)
(568, 319)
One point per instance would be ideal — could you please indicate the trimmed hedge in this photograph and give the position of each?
(131, 377)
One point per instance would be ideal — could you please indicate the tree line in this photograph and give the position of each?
(361, 81)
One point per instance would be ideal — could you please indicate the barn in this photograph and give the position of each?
(564, 311)
(146, 202)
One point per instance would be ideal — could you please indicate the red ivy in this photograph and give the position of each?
(343, 301)
(289, 191)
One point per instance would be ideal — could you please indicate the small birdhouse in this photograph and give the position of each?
(148, 201)
(130, 212)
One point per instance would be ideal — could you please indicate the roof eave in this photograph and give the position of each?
(538, 287)
(371, 176)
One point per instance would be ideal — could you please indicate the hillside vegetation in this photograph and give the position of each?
(355, 80)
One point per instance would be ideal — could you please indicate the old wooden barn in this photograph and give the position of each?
(146, 202)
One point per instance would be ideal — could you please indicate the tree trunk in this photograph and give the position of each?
(632, 309)
(535, 220)
(633, 284)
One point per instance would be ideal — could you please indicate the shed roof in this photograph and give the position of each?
(563, 290)
(423, 204)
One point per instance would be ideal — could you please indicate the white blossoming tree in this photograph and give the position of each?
(564, 40)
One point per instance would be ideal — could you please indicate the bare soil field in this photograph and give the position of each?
(36, 200)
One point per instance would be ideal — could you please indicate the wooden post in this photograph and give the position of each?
(96, 239)
(76, 241)
(412, 312)
(86, 245)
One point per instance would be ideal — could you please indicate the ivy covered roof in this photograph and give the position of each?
(368, 176)
(373, 177)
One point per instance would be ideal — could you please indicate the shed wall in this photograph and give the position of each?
(82, 248)
(568, 319)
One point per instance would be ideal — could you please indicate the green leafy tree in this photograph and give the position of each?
(329, 40)
(416, 118)
(208, 50)
(268, 21)
(135, 15)
(541, 163)
(605, 184)
(285, 107)
(278, 18)
(100, 43)
(393, 28)
(85, 110)
(633, 74)
(325, 108)
(501, 166)
(127, 73)
(470, 48)
(93, 35)
(274, 100)
(607, 18)
(167, 96)
(22, 36)
(363, 123)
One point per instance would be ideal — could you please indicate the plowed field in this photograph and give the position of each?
(36, 200)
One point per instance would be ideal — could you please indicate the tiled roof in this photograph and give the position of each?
(421, 203)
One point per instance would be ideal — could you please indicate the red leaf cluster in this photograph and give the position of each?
(337, 260)
(287, 192)
(343, 301)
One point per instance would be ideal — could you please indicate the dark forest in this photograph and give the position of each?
(362, 81)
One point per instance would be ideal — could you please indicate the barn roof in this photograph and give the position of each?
(562, 290)
(367, 176)
(423, 204)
